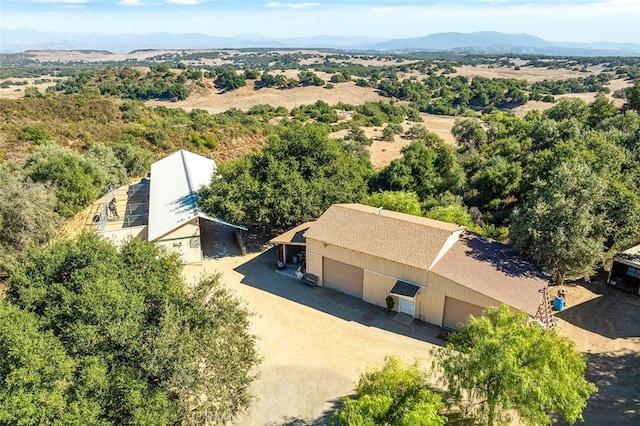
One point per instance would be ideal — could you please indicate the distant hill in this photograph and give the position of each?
(14, 41)
(457, 41)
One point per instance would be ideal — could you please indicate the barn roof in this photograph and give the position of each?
(403, 238)
(175, 181)
(495, 270)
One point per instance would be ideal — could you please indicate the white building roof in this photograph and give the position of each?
(174, 182)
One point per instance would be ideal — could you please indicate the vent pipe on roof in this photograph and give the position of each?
(379, 209)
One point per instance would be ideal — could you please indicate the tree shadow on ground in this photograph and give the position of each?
(617, 401)
(612, 314)
(321, 420)
(329, 301)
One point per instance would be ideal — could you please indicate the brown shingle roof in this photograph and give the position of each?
(493, 269)
(293, 236)
(402, 238)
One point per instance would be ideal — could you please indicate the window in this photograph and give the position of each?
(633, 272)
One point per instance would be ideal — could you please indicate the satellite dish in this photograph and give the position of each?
(195, 242)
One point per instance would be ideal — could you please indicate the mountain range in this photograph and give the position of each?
(19, 40)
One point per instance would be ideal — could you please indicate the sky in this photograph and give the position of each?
(563, 20)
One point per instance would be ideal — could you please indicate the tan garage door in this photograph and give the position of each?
(457, 312)
(341, 276)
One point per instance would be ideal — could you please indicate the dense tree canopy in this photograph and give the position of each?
(77, 180)
(27, 216)
(503, 363)
(559, 225)
(93, 335)
(395, 395)
(296, 177)
(428, 167)
(399, 201)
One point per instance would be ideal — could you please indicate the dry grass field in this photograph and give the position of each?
(382, 152)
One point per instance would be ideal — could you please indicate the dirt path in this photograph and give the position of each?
(317, 342)
(605, 325)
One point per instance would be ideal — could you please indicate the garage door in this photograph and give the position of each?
(457, 312)
(341, 276)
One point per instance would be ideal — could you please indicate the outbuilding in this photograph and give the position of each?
(625, 271)
(171, 216)
(434, 271)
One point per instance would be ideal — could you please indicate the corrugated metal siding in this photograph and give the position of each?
(377, 288)
(381, 274)
(179, 240)
(314, 265)
(431, 308)
(368, 262)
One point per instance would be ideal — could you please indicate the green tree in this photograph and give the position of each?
(36, 134)
(600, 109)
(428, 167)
(35, 371)
(496, 179)
(32, 92)
(295, 177)
(145, 348)
(77, 180)
(498, 362)
(469, 133)
(399, 201)
(559, 225)
(134, 158)
(228, 79)
(104, 158)
(633, 99)
(454, 213)
(27, 217)
(390, 131)
(393, 395)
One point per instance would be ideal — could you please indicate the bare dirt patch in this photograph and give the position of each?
(246, 97)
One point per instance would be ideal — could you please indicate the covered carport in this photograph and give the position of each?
(625, 271)
(291, 245)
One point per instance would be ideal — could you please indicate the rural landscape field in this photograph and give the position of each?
(369, 228)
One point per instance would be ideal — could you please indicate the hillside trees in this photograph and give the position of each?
(398, 201)
(98, 336)
(77, 180)
(27, 216)
(560, 225)
(502, 362)
(295, 177)
(228, 79)
(428, 167)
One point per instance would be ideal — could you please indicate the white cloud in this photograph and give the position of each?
(275, 4)
(185, 2)
(63, 1)
(131, 2)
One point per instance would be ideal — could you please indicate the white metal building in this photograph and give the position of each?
(174, 219)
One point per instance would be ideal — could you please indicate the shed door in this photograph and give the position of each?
(406, 306)
(343, 277)
(457, 312)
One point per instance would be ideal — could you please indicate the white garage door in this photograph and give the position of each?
(343, 277)
(457, 312)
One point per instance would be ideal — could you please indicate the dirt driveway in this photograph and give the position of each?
(315, 342)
